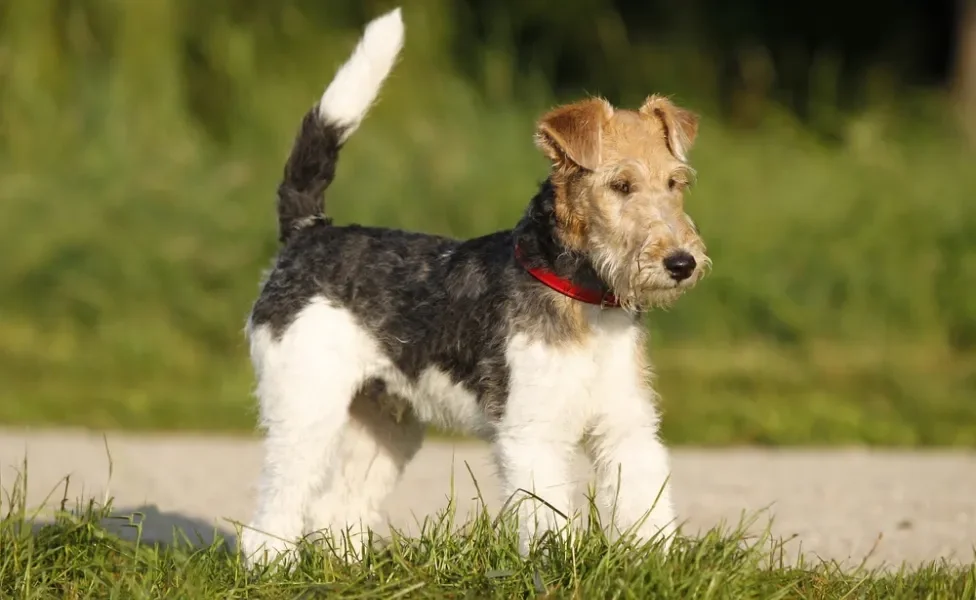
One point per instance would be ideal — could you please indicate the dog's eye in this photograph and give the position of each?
(621, 186)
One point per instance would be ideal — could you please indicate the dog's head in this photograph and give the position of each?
(620, 178)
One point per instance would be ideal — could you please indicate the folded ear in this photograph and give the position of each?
(680, 125)
(570, 135)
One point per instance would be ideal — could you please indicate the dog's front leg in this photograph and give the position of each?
(633, 467)
(535, 472)
(538, 435)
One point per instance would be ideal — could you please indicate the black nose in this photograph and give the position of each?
(680, 265)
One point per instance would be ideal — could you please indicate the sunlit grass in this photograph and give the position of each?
(73, 555)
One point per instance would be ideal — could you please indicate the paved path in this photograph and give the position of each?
(839, 504)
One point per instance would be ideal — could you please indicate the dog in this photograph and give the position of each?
(530, 338)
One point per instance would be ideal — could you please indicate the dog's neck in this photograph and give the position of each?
(537, 236)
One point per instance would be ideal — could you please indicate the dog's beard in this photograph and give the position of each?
(639, 280)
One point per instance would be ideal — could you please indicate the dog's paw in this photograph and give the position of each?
(259, 549)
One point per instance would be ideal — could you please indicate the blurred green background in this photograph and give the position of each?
(141, 143)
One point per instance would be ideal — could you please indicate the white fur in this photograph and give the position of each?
(332, 457)
(596, 390)
(355, 86)
(305, 383)
(437, 400)
(375, 447)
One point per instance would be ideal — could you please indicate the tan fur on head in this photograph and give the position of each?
(570, 135)
(680, 125)
(619, 177)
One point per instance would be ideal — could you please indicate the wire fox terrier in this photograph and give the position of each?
(530, 338)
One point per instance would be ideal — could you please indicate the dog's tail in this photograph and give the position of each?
(326, 127)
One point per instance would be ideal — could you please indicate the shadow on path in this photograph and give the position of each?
(150, 525)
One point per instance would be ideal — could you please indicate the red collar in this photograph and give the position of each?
(565, 286)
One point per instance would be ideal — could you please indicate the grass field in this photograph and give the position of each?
(74, 557)
(137, 196)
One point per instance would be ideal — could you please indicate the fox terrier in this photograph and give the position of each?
(530, 338)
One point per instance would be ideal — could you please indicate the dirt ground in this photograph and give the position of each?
(836, 504)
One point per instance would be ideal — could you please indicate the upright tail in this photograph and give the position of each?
(326, 127)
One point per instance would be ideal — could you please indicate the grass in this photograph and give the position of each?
(73, 556)
(137, 191)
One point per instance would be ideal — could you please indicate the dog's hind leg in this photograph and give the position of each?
(307, 379)
(381, 437)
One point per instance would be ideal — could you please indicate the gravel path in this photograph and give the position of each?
(907, 506)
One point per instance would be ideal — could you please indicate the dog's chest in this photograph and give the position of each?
(567, 385)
